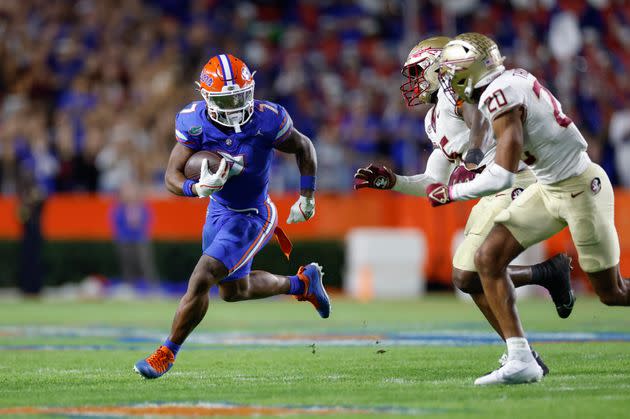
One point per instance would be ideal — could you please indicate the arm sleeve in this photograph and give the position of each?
(494, 179)
(438, 169)
(284, 126)
(183, 136)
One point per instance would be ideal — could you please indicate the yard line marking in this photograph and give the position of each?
(140, 339)
(211, 409)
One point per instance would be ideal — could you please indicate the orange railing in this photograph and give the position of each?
(86, 217)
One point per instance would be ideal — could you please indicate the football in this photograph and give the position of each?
(192, 169)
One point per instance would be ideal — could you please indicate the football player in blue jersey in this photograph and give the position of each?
(241, 218)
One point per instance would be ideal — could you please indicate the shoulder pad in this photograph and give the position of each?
(502, 95)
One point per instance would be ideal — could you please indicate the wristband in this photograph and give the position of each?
(187, 187)
(474, 156)
(307, 182)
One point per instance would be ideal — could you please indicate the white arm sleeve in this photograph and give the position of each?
(494, 179)
(438, 169)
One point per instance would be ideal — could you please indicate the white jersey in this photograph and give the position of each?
(448, 131)
(450, 136)
(552, 145)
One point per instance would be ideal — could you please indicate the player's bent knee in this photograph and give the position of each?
(466, 281)
(207, 273)
(484, 260)
(229, 295)
(488, 259)
(233, 291)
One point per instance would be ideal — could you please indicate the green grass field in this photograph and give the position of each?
(388, 359)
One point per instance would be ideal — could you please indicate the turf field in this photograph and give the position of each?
(270, 358)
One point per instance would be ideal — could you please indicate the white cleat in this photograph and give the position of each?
(503, 360)
(513, 372)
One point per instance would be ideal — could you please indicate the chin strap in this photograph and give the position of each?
(235, 125)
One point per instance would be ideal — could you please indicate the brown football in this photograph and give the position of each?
(193, 165)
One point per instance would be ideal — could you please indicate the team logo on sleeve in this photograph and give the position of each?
(194, 131)
(596, 185)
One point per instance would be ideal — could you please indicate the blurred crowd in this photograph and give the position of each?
(89, 88)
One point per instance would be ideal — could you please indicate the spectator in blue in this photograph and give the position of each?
(131, 221)
(36, 168)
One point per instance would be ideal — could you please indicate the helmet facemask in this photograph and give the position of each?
(457, 86)
(445, 78)
(422, 81)
(232, 107)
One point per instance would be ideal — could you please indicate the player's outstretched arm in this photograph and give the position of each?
(174, 177)
(508, 130)
(300, 145)
(438, 169)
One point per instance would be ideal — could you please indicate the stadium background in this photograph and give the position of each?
(89, 90)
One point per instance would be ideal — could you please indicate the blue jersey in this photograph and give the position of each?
(250, 151)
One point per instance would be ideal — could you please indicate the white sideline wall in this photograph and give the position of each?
(385, 263)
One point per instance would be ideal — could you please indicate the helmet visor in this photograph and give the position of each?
(231, 101)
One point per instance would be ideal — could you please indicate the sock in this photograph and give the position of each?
(518, 349)
(296, 286)
(172, 346)
(540, 271)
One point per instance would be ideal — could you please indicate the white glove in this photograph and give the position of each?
(302, 210)
(209, 182)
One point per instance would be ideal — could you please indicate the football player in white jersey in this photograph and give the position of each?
(571, 191)
(455, 160)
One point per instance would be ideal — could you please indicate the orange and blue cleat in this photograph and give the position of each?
(314, 292)
(157, 364)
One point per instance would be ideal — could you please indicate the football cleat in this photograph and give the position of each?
(504, 358)
(512, 372)
(559, 284)
(314, 292)
(540, 362)
(155, 365)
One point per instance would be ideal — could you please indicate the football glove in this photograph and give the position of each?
(463, 174)
(302, 210)
(209, 182)
(375, 177)
(438, 194)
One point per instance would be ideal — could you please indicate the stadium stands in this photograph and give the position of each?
(90, 89)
